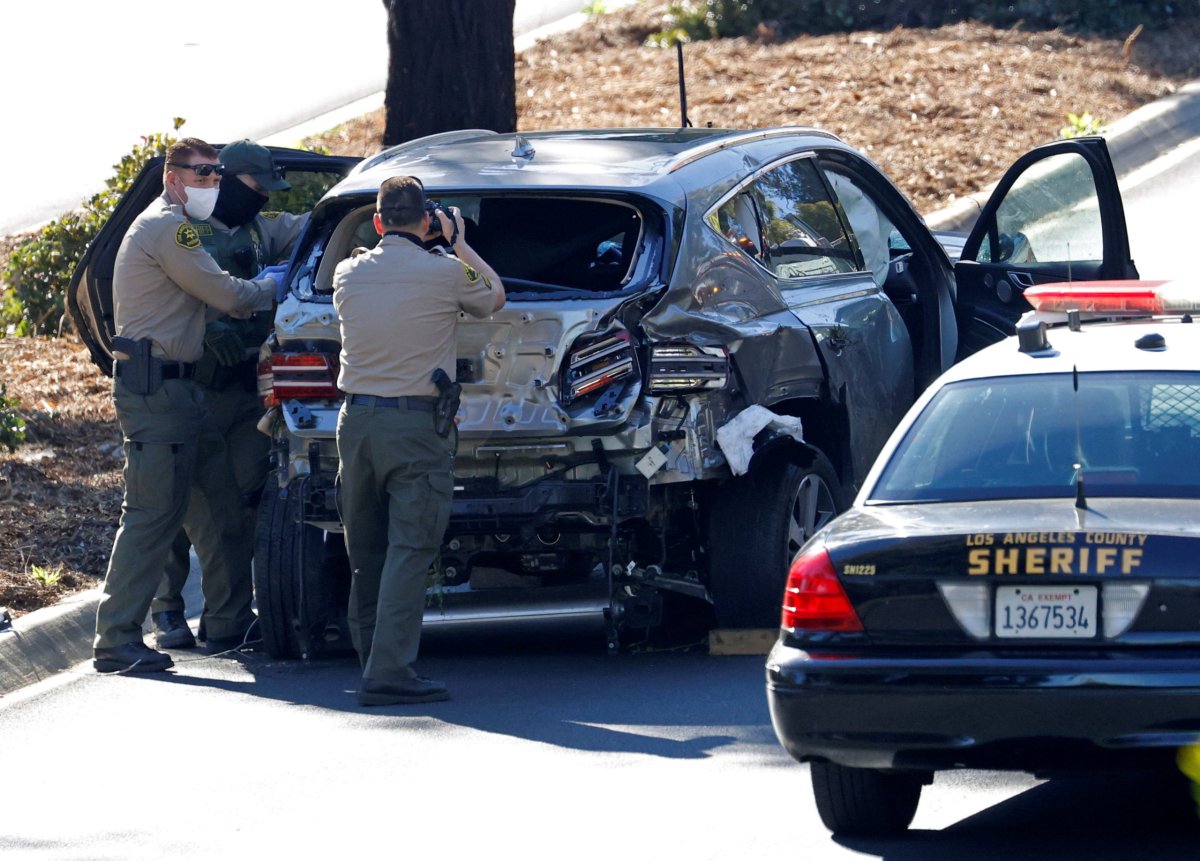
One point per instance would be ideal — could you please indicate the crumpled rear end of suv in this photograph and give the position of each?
(553, 395)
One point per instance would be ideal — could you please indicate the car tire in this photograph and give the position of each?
(300, 578)
(757, 524)
(863, 801)
(274, 569)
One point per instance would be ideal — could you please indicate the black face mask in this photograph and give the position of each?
(237, 202)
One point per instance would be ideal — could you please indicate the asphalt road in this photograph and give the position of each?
(1160, 201)
(550, 749)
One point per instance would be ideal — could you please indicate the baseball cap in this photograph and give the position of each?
(245, 156)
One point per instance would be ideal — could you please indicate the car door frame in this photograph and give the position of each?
(89, 294)
(991, 294)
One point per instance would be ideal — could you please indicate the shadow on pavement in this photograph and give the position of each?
(1094, 817)
(562, 690)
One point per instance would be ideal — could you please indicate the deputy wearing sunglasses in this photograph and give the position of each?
(164, 284)
(243, 239)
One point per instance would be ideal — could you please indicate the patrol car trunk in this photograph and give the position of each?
(1041, 574)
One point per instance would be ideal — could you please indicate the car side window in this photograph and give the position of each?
(737, 220)
(787, 221)
(803, 233)
(307, 187)
(1050, 215)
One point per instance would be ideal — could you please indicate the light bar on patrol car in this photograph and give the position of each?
(1112, 298)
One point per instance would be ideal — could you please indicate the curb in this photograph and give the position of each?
(1133, 141)
(53, 639)
(47, 641)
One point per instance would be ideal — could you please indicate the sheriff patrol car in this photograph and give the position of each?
(1017, 586)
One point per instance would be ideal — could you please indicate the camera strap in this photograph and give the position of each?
(411, 237)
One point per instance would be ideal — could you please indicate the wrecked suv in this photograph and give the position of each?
(709, 335)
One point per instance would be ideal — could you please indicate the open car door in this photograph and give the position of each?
(89, 295)
(1056, 216)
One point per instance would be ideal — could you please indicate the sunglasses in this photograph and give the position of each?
(200, 169)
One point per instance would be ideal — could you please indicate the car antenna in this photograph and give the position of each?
(1080, 498)
(685, 122)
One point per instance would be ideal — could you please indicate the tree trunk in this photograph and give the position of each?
(450, 66)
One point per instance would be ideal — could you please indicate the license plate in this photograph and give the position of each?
(1067, 612)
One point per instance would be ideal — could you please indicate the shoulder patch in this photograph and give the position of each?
(271, 215)
(472, 275)
(187, 237)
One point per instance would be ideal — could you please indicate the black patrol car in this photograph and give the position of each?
(1017, 585)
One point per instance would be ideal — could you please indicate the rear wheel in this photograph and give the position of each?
(301, 578)
(758, 523)
(862, 801)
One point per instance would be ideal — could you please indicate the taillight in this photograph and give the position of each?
(687, 368)
(814, 599)
(287, 376)
(594, 364)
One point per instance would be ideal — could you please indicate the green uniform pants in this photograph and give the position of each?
(397, 479)
(172, 445)
(235, 413)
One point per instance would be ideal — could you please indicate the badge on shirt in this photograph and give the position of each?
(187, 237)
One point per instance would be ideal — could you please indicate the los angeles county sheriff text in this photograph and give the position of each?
(1055, 552)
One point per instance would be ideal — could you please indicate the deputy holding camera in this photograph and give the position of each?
(399, 307)
(164, 284)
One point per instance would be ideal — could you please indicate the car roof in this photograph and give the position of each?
(626, 159)
(1107, 346)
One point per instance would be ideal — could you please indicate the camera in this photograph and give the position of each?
(432, 207)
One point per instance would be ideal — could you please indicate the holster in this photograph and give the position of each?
(446, 408)
(141, 372)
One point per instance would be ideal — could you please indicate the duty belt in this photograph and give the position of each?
(169, 370)
(410, 402)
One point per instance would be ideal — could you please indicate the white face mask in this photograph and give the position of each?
(200, 202)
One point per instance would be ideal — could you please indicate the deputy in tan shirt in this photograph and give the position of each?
(164, 284)
(399, 306)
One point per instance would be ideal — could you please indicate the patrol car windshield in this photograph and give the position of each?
(1127, 434)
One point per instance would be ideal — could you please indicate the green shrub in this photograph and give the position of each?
(706, 19)
(39, 270)
(709, 19)
(1081, 125)
(12, 427)
(308, 187)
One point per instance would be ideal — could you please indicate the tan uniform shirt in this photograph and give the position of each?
(164, 279)
(399, 308)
